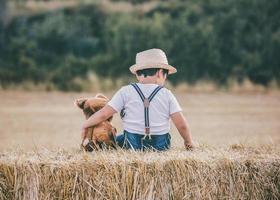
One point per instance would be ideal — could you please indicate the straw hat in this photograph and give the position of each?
(152, 58)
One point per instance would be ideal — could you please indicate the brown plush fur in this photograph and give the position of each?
(101, 135)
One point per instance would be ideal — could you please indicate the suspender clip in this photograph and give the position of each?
(147, 130)
(146, 103)
(147, 135)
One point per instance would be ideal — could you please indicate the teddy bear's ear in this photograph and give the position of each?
(99, 95)
(80, 102)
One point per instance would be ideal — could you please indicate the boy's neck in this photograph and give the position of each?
(148, 80)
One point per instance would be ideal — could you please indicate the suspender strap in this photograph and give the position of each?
(138, 91)
(146, 103)
(154, 93)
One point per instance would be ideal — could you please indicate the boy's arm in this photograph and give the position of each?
(103, 114)
(183, 128)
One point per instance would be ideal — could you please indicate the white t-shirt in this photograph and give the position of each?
(161, 107)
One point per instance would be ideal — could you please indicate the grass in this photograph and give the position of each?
(237, 154)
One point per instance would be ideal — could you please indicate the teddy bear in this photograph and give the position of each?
(102, 135)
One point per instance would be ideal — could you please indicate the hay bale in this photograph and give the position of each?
(242, 173)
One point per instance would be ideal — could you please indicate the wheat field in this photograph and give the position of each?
(237, 154)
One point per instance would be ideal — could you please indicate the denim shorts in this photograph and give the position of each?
(137, 142)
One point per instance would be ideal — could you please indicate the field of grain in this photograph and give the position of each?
(237, 154)
(50, 120)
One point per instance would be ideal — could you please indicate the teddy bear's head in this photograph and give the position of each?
(92, 105)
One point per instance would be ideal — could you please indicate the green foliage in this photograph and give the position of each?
(133, 1)
(213, 40)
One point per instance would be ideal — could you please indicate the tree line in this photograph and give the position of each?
(213, 40)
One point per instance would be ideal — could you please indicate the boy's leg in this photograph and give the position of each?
(120, 139)
(158, 142)
(133, 141)
(129, 141)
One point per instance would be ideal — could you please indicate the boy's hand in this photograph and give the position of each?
(189, 145)
(183, 128)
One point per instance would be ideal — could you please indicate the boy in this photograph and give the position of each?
(146, 107)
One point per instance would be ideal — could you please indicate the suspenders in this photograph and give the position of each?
(146, 103)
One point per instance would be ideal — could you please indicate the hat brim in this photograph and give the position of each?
(134, 68)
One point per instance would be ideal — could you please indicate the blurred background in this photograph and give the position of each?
(66, 44)
(227, 53)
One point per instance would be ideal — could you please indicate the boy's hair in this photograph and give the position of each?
(150, 72)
